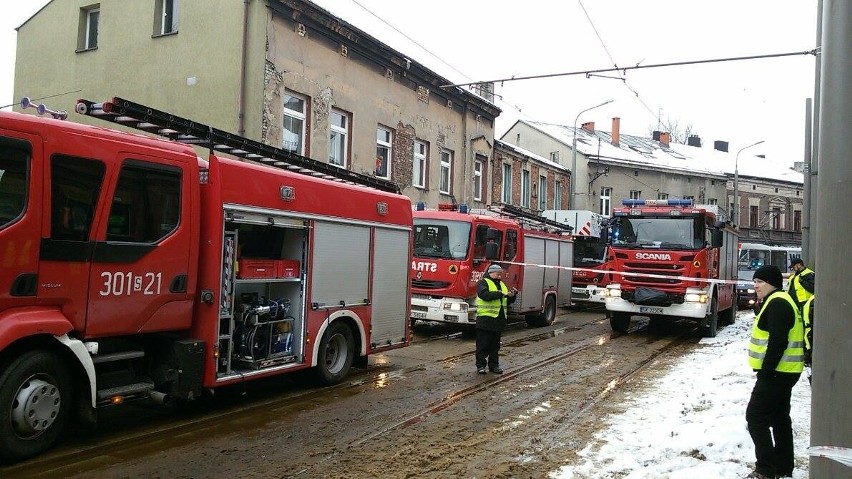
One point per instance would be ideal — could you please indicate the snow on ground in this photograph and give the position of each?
(690, 423)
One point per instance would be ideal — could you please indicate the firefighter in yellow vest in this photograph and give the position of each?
(493, 298)
(776, 353)
(808, 319)
(802, 281)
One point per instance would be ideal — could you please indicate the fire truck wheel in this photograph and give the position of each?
(548, 313)
(619, 322)
(731, 314)
(35, 397)
(711, 322)
(335, 354)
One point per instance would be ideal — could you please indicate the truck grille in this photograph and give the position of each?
(424, 284)
(674, 270)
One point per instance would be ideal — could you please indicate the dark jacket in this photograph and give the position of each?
(777, 318)
(489, 323)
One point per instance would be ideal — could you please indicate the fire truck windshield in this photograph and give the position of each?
(441, 239)
(658, 232)
(589, 251)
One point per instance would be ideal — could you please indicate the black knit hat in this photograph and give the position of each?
(770, 274)
(797, 261)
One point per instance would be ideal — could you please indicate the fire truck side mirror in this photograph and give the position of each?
(716, 238)
(492, 251)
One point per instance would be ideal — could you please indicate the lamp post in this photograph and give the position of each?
(573, 204)
(736, 213)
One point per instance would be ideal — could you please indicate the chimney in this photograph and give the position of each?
(720, 145)
(656, 135)
(616, 130)
(589, 126)
(694, 140)
(664, 138)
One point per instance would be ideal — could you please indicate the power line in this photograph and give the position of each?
(637, 67)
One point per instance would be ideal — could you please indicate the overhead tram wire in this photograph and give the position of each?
(638, 67)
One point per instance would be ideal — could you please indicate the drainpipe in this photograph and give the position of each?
(241, 101)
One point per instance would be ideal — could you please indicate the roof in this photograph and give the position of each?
(640, 151)
(522, 152)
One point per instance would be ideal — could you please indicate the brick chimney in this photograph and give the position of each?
(616, 130)
(665, 138)
(589, 126)
(720, 145)
(694, 140)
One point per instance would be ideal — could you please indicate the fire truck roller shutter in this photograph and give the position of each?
(341, 264)
(390, 283)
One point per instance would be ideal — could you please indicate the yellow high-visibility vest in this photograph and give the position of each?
(793, 360)
(492, 308)
(802, 294)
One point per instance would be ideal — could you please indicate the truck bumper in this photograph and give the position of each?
(588, 294)
(444, 310)
(685, 310)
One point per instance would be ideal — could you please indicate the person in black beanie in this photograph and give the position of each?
(776, 353)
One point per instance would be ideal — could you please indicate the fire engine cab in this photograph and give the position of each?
(453, 248)
(134, 269)
(672, 259)
(592, 254)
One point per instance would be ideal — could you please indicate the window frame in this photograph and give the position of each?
(506, 187)
(542, 192)
(420, 164)
(90, 43)
(478, 167)
(342, 141)
(557, 195)
(290, 114)
(525, 188)
(606, 200)
(387, 147)
(445, 176)
(166, 17)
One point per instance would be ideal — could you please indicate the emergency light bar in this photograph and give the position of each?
(669, 202)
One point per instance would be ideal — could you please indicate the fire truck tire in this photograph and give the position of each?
(35, 397)
(711, 322)
(548, 313)
(619, 322)
(336, 351)
(730, 315)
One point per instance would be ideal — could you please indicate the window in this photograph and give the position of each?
(338, 137)
(384, 138)
(14, 180)
(511, 246)
(418, 177)
(712, 201)
(542, 192)
(753, 216)
(525, 188)
(606, 200)
(87, 34)
(797, 220)
(689, 197)
(554, 156)
(146, 205)
(635, 194)
(557, 196)
(776, 218)
(75, 184)
(446, 176)
(293, 134)
(662, 196)
(478, 165)
(165, 17)
(507, 184)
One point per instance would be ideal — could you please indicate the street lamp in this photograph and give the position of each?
(573, 204)
(736, 213)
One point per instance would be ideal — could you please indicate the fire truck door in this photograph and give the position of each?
(139, 279)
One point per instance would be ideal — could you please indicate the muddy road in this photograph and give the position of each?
(421, 411)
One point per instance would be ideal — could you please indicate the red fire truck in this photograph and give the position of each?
(453, 247)
(134, 269)
(674, 259)
(592, 254)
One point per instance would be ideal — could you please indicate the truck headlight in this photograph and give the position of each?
(751, 291)
(695, 298)
(455, 306)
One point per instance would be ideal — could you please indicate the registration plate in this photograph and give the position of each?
(650, 310)
(418, 315)
(578, 290)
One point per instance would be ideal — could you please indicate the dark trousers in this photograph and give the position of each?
(487, 348)
(769, 408)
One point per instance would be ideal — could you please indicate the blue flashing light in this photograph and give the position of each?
(669, 202)
(420, 206)
(463, 208)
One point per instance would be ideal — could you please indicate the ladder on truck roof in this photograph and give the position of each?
(141, 117)
(518, 212)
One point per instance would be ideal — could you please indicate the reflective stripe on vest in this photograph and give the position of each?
(801, 293)
(806, 318)
(793, 360)
(491, 308)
